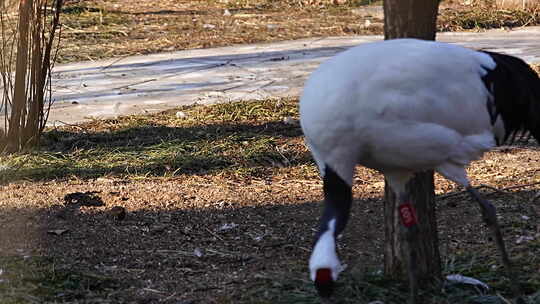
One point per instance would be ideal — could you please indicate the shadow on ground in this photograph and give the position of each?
(158, 150)
(252, 253)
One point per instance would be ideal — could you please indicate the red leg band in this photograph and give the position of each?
(407, 215)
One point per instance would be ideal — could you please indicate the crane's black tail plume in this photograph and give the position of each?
(515, 91)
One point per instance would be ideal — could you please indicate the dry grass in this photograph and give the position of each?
(100, 29)
(477, 18)
(517, 4)
(123, 27)
(237, 138)
(536, 67)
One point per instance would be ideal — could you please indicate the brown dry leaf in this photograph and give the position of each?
(118, 212)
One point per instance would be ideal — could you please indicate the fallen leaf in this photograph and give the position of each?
(180, 114)
(230, 226)
(118, 212)
(457, 278)
(58, 231)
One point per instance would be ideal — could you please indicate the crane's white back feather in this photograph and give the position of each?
(398, 105)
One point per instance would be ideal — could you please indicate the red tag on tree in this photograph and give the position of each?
(407, 215)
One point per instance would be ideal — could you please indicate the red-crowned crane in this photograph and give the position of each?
(403, 106)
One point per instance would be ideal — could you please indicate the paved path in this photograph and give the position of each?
(142, 84)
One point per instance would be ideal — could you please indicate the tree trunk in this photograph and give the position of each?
(30, 134)
(19, 96)
(421, 191)
(412, 19)
(26, 112)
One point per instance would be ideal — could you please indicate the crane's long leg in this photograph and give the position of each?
(489, 214)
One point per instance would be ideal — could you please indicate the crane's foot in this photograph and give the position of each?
(489, 214)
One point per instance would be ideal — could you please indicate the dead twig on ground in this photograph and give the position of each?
(501, 190)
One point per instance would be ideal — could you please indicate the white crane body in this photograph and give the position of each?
(419, 119)
(403, 106)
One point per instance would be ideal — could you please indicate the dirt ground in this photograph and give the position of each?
(215, 235)
(211, 239)
(221, 236)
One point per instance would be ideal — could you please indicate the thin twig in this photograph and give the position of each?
(169, 297)
(114, 62)
(153, 290)
(214, 234)
(492, 188)
(506, 301)
(135, 83)
(85, 130)
(521, 186)
(502, 190)
(535, 197)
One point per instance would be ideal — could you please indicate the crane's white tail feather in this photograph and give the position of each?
(454, 172)
(471, 148)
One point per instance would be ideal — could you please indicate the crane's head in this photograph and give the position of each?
(324, 265)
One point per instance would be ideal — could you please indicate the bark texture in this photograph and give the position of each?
(27, 96)
(412, 19)
(422, 194)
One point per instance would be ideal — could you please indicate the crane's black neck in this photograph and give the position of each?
(337, 202)
(515, 95)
